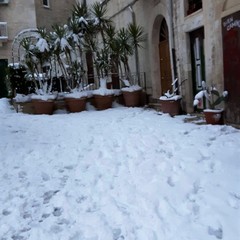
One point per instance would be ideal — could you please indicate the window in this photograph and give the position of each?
(3, 31)
(46, 3)
(193, 6)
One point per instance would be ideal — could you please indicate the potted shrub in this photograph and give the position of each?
(129, 40)
(211, 98)
(37, 56)
(171, 102)
(68, 52)
(96, 42)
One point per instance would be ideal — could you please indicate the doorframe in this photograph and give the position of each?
(154, 59)
(164, 40)
(193, 35)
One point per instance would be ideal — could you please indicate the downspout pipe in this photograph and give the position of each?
(173, 45)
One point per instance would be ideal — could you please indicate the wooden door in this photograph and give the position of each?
(164, 56)
(165, 66)
(231, 60)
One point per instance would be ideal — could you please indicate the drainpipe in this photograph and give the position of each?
(173, 44)
(136, 49)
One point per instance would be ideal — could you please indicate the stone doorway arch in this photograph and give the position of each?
(160, 25)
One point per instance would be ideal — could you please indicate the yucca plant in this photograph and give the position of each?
(211, 95)
(129, 40)
(37, 56)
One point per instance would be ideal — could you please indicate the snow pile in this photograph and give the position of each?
(122, 173)
(131, 88)
(5, 106)
(174, 97)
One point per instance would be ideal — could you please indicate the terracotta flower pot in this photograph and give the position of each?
(132, 99)
(214, 116)
(172, 107)
(43, 106)
(75, 104)
(103, 102)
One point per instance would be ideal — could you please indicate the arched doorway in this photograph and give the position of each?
(164, 56)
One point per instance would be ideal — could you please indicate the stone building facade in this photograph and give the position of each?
(200, 41)
(192, 40)
(15, 16)
(185, 39)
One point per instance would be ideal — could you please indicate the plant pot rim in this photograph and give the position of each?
(69, 97)
(105, 95)
(213, 110)
(174, 98)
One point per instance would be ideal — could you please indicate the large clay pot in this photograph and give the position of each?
(214, 116)
(43, 106)
(75, 104)
(103, 102)
(172, 107)
(132, 99)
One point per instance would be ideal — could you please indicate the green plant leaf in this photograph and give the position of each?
(215, 92)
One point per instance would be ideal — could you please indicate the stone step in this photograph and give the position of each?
(156, 106)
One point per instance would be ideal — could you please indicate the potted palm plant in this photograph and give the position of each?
(211, 98)
(96, 42)
(68, 49)
(129, 40)
(37, 58)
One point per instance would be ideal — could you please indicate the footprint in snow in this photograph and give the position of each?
(6, 212)
(170, 182)
(117, 234)
(69, 167)
(234, 200)
(56, 229)
(218, 233)
(17, 237)
(45, 177)
(22, 175)
(57, 211)
(48, 195)
(63, 180)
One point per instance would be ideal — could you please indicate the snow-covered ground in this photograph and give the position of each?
(118, 174)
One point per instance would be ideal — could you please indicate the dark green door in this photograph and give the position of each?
(3, 73)
(198, 63)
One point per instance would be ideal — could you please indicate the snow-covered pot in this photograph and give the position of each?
(43, 104)
(214, 116)
(103, 98)
(103, 102)
(172, 105)
(76, 102)
(132, 96)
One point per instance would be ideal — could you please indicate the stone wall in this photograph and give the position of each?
(56, 13)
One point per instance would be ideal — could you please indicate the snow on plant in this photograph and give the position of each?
(174, 94)
(212, 96)
(36, 57)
